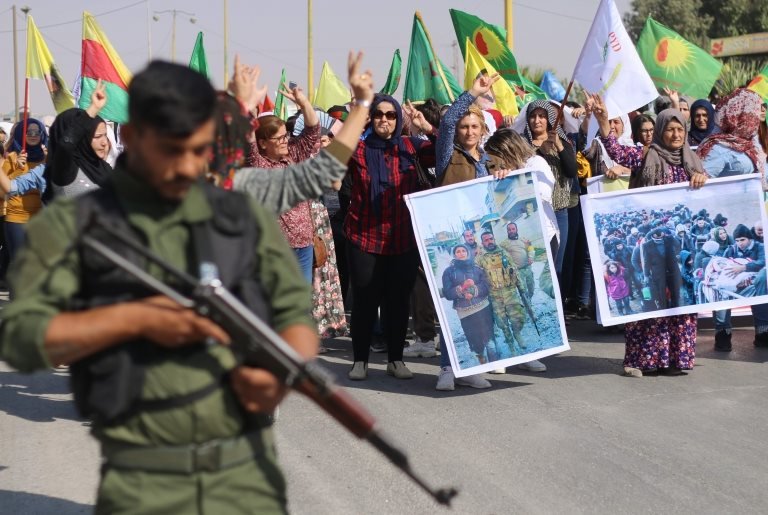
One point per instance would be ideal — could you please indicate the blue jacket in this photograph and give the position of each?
(445, 138)
(754, 253)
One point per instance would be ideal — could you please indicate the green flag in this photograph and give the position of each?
(393, 78)
(279, 110)
(425, 76)
(675, 63)
(198, 62)
(453, 84)
(490, 41)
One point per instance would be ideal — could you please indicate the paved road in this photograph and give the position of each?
(577, 439)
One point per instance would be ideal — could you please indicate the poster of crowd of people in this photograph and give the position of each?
(669, 250)
(490, 271)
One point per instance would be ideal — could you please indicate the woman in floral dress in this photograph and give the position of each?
(665, 344)
(327, 299)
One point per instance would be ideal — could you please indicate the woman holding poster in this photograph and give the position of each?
(733, 150)
(665, 344)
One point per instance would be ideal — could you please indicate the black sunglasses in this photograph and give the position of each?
(389, 115)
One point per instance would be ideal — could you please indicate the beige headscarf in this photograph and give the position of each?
(660, 157)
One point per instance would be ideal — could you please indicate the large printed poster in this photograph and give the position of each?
(490, 271)
(670, 250)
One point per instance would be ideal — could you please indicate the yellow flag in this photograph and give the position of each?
(331, 91)
(40, 66)
(475, 63)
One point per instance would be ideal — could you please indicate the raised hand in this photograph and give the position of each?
(601, 113)
(98, 99)
(295, 95)
(360, 83)
(483, 83)
(674, 97)
(417, 118)
(244, 85)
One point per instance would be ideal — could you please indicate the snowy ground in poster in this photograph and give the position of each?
(441, 217)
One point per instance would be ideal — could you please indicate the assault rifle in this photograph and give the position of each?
(520, 290)
(254, 343)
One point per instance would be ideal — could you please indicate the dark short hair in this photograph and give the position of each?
(170, 98)
(431, 111)
(489, 233)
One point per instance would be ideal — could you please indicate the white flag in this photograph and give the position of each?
(609, 65)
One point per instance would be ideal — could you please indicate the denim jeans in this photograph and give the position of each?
(15, 234)
(562, 224)
(759, 315)
(305, 255)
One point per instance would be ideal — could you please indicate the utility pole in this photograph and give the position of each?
(226, 44)
(15, 70)
(310, 63)
(174, 12)
(508, 24)
(149, 35)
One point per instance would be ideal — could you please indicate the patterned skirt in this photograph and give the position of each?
(661, 343)
(327, 302)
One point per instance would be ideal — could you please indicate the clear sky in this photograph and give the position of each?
(273, 34)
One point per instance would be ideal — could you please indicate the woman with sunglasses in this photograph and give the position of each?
(381, 250)
(19, 161)
(273, 149)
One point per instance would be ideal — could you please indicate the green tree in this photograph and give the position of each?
(700, 20)
(686, 17)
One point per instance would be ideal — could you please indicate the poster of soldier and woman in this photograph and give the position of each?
(669, 250)
(490, 271)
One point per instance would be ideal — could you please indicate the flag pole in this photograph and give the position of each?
(26, 115)
(508, 23)
(26, 10)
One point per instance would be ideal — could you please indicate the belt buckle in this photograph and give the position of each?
(207, 457)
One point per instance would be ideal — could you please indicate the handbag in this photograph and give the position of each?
(320, 250)
(425, 179)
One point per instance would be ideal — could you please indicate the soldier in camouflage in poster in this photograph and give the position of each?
(503, 280)
(522, 253)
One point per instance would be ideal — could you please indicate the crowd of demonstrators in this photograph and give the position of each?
(653, 259)
(366, 228)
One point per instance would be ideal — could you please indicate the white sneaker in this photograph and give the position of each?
(473, 382)
(498, 371)
(533, 366)
(420, 349)
(445, 380)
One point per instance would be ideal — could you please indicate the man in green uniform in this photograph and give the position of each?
(193, 434)
(503, 281)
(522, 254)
